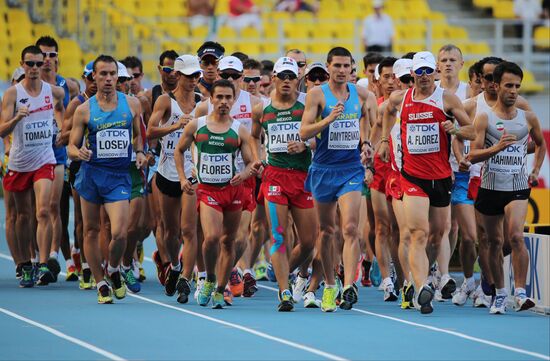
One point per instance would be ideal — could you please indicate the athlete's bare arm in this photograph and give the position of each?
(74, 87)
(147, 94)
(478, 152)
(315, 102)
(185, 141)
(8, 117)
(80, 122)
(137, 141)
(256, 133)
(388, 120)
(145, 108)
(160, 115)
(364, 120)
(453, 105)
(376, 129)
(68, 120)
(58, 108)
(250, 159)
(202, 109)
(540, 144)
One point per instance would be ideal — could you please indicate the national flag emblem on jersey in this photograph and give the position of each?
(274, 191)
(243, 107)
(500, 126)
(47, 99)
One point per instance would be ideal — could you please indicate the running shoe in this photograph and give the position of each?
(228, 296)
(393, 273)
(285, 304)
(54, 267)
(298, 288)
(184, 289)
(236, 284)
(77, 261)
(72, 274)
(481, 299)
(44, 277)
(27, 279)
(498, 306)
(310, 301)
(86, 279)
(261, 271)
(466, 291)
(118, 286)
(270, 273)
(171, 282)
(161, 271)
(522, 302)
(389, 292)
(218, 300)
(19, 271)
(198, 288)
(407, 296)
(424, 299)
(375, 275)
(140, 253)
(365, 274)
(131, 283)
(447, 285)
(104, 295)
(250, 287)
(328, 303)
(349, 297)
(203, 298)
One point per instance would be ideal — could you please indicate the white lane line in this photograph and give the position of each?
(442, 330)
(64, 336)
(312, 350)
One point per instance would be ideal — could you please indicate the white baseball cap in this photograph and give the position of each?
(122, 71)
(187, 64)
(363, 82)
(402, 67)
(423, 59)
(376, 73)
(285, 64)
(230, 62)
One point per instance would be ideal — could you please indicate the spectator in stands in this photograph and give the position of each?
(530, 11)
(378, 30)
(200, 12)
(135, 68)
(243, 13)
(296, 5)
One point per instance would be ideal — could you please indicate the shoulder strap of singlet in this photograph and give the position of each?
(156, 92)
(198, 98)
(81, 98)
(171, 95)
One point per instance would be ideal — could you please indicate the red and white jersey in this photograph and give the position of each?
(426, 146)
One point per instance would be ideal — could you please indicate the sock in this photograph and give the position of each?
(126, 268)
(249, 271)
(387, 281)
(329, 286)
(470, 281)
(75, 250)
(85, 266)
(69, 263)
(240, 271)
(53, 254)
(35, 259)
(111, 269)
(102, 283)
(176, 268)
(502, 292)
(519, 291)
(202, 275)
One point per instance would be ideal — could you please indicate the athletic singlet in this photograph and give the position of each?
(241, 111)
(425, 144)
(461, 92)
(281, 127)
(338, 144)
(481, 107)
(506, 170)
(395, 144)
(109, 135)
(215, 153)
(31, 146)
(167, 164)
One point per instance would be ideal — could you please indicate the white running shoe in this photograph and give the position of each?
(135, 269)
(200, 285)
(310, 301)
(447, 286)
(389, 291)
(463, 293)
(522, 302)
(498, 307)
(298, 288)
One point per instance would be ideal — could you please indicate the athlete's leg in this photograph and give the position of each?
(170, 208)
(349, 205)
(159, 229)
(416, 210)
(188, 220)
(64, 214)
(382, 231)
(327, 215)
(78, 227)
(226, 261)
(23, 210)
(514, 214)
(493, 225)
(54, 207)
(91, 224)
(465, 217)
(104, 233)
(277, 216)
(483, 250)
(118, 214)
(11, 238)
(136, 206)
(42, 191)
(404, 238)
(241, 241)
(394, 245)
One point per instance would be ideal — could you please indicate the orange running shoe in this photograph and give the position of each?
(236, 284)
(227, 296)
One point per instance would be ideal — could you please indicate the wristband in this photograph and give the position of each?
(384, 140)
(139, 151)
(371, 168)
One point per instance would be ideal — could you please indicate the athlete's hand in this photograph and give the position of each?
(84, 154)
(22, 112)
(534, 178)
(183, 120)
(336, 112)
(141, 160)
(295, 147)
(449, 127)
(256, 168)
(367, 153)
(506, 140)
(150, 159)
(384, 151)
(464, 165)
(368, 176)
(237, 179)
(187, 187)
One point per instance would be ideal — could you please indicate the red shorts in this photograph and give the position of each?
(21, 181)
(473, 187)
(249, 189)
(393, 186)
(380, 178)
(228, 198)
(285, 186)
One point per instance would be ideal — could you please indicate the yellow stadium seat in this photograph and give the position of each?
(529, 84)
(477, 48)
(176, 30)
(250, 33)
(484, 3)
(304, 16)
(200, 32)
(542, 37)
(271, 30)
(504, 9)
(457, 33)
(42, 29)
(252, 49)
(270, 49)
(227, 32)
(297, 30)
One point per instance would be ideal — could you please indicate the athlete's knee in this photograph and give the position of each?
(42, 213)
(55, 207)
(188, 233)
(350, 231)
(516, 240)
(119, 234)
(327, 232)
(227, 244)
(418, 236)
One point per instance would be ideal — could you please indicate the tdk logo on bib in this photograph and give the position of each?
(345, 124)
(513, 149)
(423, 127)
(285, 126)
(215, 157)
(37, 125)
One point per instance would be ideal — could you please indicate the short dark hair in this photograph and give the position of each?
(506, 67)
(222, 83)
(104, 58)
(31, 49)
(132, 62)
(170, 54)
(372, 58)
(409, 55)
(474, 69)
(252, 64)
(489, 60)
(387, 62)
(240, 55)
(47, 41)
(267, 65)
(211, 44)
(338, 51)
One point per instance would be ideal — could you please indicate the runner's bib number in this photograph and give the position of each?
(508, 161)
(423, 138)
(170, 141)
(216, 168)
(344, 134)
(282, 133)
(113, 143)
(37, 134)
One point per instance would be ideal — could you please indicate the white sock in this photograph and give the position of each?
(53, 254)
(111, 269)
(248, 270)
(102, 283)
(471, 282)
(202, 274)
(502, 292)
(69, 263)
(518, 290)
(35, 259)
(176, 268)
(85, 266)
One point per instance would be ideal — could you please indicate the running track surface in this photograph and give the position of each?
(62, 322)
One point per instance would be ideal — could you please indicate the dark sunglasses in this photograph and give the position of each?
(317, 77)
(265, 85)
(233, 76)
(489, 77)
(211, 61)
(137, 75)
(406, 79)
(424, 70)
(167, 69)
(90, 77)
(121, 80)
(50, 54)
(301, 64)
(286, 75)
(31, 64)
(254, 79)
(192, 76)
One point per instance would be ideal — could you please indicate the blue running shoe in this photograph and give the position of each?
(271, 273)
(45, 277)
(131, 283)
(206, 293)
(375, 275)
(27, 277)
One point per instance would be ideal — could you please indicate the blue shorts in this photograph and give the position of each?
(60, 155)
(99, 185)
(459, 191)
(327, 184)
